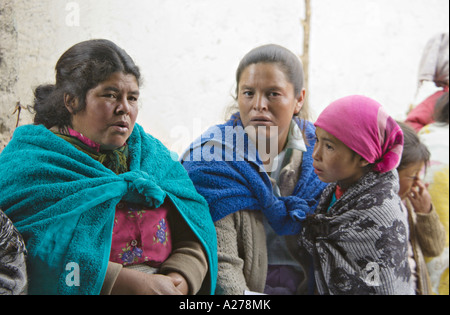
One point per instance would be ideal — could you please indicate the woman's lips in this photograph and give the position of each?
(121, 126)
(261, 120)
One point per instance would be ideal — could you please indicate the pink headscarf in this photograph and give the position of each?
(362, 125)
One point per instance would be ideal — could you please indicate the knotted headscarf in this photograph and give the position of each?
(363, 125)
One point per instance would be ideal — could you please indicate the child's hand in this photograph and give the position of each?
(420, 197)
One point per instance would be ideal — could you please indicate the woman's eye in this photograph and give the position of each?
(110, 96)
(247, 93)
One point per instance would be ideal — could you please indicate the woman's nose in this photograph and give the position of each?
(123, 107)
(260, 103)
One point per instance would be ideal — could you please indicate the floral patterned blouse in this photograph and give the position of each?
(141, 235)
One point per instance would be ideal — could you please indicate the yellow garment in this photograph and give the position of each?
(436, 139)
(439, 191)
(443, 287)
(438, 267)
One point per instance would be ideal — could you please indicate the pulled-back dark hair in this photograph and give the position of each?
(287, 60)
(414, 150)
(80, 69)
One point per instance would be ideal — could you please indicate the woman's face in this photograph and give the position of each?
(267, 99)
(408, 177)
(111, 111)
(335, 162)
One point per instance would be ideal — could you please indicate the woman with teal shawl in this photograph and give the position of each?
(63, 177)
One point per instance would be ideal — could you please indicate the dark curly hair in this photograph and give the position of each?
(80, 69)
(441, 109)
(413, 149)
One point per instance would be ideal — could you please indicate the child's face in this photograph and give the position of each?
(335, 162)
(408, 177)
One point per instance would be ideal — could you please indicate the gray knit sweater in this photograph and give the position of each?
(13, 270)
(359, 245)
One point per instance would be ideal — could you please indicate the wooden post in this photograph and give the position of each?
(306, 23)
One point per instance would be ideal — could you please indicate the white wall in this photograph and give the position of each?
(188, 50)
(372, 48)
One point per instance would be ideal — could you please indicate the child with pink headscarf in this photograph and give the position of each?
(358, 237)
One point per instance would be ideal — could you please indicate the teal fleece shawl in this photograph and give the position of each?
(63, 203)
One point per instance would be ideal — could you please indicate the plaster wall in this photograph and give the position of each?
(188, 51)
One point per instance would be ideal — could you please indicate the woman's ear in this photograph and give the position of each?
(71, 102)
(299, 102)
(363, 162)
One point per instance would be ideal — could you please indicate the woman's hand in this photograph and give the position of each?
(179, 282)
(138, 283)
(420, 197)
